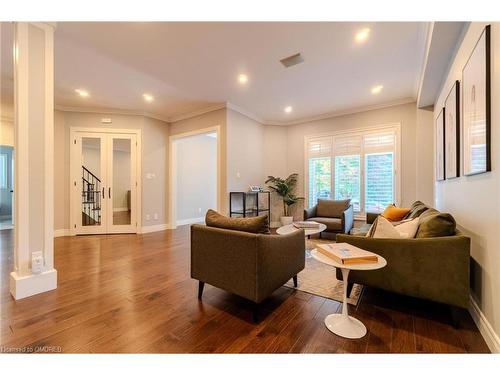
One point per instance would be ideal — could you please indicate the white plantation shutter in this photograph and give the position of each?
(360, 165)
(347, 145)
(382, 141)
(320, 147)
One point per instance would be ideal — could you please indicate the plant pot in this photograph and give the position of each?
(286, 220)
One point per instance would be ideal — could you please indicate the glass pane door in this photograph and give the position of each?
(122, 179)
(90, 183)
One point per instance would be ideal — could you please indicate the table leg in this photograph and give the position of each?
(343, 324)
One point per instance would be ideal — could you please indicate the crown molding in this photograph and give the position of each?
(108, 111)
(240, 110)
(197, 112)
(246, 113)
(324, 115)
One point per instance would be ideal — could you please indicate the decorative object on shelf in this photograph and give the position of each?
(452, 132)
(440, 141)
(247, 204)
(476, 107)
(285, 189)
(255, 189)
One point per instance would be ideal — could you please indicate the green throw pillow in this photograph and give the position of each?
(436, 224)
(256, 224)
(416, 209)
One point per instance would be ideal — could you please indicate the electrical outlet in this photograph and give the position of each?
(156, 216)
(36, 262)
(148, 217)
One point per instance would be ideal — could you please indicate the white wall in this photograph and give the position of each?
(475, 201)
(154, 161)
(245, 152)
(196, 166)
(208, 120)
(405, 114)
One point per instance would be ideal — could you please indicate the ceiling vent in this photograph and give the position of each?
(292, 60)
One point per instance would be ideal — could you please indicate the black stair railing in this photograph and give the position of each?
(91, 198)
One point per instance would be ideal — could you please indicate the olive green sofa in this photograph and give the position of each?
(434, 268)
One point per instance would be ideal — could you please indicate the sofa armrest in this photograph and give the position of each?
(310, 212)
(433, 268)
(348, 219)
(370, 217)
(225, 258)
(279, 258)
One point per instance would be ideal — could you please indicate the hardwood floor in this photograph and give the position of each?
(133, 294)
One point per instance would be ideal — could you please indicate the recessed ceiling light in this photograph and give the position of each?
(148, 97)
(362, 35)
(242, 78)
(82, 93)
(288, 109)
(377, 89)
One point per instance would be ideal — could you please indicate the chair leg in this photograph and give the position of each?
(295, 283)
(320, 235)
(201, 285)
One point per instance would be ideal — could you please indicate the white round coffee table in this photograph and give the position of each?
(290, 228)
(343, 324)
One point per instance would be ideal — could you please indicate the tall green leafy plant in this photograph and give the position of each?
(285, 189)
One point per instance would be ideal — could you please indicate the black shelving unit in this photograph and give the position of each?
(249, 204)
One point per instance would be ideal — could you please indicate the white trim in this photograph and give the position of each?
(397, 161)
(155, 228)
(120, 209)
(172, 196)
(74, 194)
(323, 116)
(63, 233)
(197, 112)
(484, 326)
(110, 111)
(25, 286)
(202, 111)
(193, 220)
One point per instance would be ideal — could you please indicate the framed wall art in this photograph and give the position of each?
(452, 132)
(440, 142)
(476, 107)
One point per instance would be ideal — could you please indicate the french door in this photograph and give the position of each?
(104, 182)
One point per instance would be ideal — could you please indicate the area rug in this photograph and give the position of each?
(320, 279)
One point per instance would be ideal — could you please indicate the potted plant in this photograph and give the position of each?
(285, 189)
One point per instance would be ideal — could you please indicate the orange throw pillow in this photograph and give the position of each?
(393, 213)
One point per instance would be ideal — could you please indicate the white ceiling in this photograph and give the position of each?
(190, 67)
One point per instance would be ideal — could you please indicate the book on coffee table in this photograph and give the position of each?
(306, 224)
(345, 253)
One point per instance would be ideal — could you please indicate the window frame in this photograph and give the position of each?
(395, 127)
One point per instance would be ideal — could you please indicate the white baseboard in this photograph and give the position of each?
(62, 232)
(484, 326)
(25, 286)
(120, 209)
(193, 220)
(154, 228)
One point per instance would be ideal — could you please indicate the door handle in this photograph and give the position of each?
(109, 193)
(103, 193)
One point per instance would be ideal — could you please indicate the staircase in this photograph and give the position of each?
(91, 198)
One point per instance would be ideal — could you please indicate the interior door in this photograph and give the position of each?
(89, 182)
(122, 183)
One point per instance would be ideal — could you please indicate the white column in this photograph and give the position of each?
(34, 154)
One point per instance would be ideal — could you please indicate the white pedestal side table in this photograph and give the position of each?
(342, 324)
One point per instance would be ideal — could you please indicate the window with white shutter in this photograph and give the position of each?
(359, 165)
(347, 150)
(319, 169)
